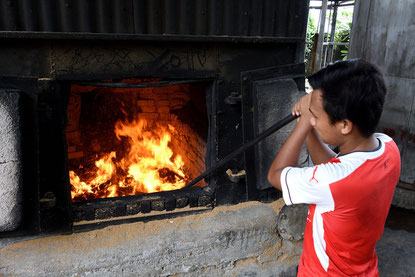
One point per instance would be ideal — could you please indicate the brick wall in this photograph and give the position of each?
(170, 105)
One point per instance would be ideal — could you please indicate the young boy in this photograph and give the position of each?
(350, 192)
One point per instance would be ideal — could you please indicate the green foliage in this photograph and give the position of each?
(311, 31)
(343, 26)
(344, 53)
(342, 33)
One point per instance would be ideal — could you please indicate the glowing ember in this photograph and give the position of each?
(149, 166)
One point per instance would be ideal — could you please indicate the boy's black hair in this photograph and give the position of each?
(353, 90)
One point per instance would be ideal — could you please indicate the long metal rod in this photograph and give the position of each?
(243, 148)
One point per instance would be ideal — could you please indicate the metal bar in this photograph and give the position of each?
(336, 43)
(325, 49)
(319, 49)
(333, 32)
(331, 6)
(146, 85)
(146, 37)
(82, 227)
(243, 148)
(339, 3)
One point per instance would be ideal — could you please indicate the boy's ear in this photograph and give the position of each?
(346, 126)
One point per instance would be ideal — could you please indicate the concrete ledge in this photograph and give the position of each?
(238, 240)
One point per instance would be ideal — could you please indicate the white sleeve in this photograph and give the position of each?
(309, 185)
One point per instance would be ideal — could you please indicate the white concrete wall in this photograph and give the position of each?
(239, 240)
(10, 162)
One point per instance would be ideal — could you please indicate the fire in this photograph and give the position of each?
(149, 165)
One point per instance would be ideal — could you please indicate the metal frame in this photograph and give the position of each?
(294, 71)
(321, 56)
(116, 207)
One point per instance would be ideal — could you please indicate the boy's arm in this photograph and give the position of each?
(290, 151)
(318, 151)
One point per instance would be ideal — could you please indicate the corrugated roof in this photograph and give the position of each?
(264, 18)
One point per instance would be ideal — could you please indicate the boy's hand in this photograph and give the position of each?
(301, 109)
(290, 151)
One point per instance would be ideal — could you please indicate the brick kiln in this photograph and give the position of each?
(110, 108)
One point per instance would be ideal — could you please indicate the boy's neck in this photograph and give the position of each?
(357, 142)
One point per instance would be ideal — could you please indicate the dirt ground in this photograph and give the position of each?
(396, 248)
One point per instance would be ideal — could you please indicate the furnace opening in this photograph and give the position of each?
(131, 141)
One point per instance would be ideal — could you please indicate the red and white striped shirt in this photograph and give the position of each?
(349, 201)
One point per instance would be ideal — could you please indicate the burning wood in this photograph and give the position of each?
(148, 166)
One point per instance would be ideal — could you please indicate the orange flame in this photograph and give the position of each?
(149, 166)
